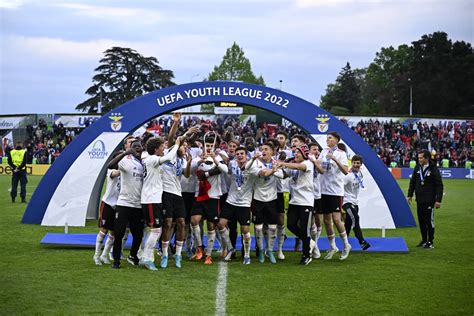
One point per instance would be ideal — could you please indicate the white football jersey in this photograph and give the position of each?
(353, 182)
(332, 180)
(171, 175)
(189, 184)
(131, 181)
(283, 185)
(215, 181)
(302, 185)
(241, 185)
(316, 184)
(265, 188)
(152, 180)
(112, 189)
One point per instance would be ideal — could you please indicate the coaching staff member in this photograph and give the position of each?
(17, 161)
(427, 184)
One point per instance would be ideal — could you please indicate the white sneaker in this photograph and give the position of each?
(111, 256)
(97, 260)
(345, 252)
(104, 260)
(280, 255)
(316, 253)
(331, 253)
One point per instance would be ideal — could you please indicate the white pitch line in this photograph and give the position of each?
(221, 289)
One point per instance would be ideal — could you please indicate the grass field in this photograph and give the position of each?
(40, 280)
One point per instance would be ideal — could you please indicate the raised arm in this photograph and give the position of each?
(187, 170)
(292, 165)
(174, 128)
(113, 164)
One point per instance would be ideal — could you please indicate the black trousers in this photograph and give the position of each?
(19, 176)
(426, 221)
(233, 231)
(352, 221)
(134, 218)
(299, 223)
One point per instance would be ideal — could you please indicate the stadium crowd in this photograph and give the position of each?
(396, 144)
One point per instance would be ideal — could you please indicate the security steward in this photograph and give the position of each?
(427, 184)
(17, 161)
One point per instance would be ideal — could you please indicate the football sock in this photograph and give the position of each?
(211, 236)
(99, 240)
(197, 235)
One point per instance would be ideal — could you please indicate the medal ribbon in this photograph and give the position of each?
(359, 179)
(423, 173)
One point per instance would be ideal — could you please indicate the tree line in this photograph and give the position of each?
(433, 73)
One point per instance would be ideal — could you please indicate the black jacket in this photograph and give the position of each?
(432, 190)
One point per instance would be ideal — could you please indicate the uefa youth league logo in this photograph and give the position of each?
(98, 150)
(116, 125)
(323, 124)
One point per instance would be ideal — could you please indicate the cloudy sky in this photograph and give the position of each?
(49, 49)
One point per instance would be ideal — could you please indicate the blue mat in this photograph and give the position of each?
(378, 244)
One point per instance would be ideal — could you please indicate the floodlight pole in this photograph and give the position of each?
(411, 97)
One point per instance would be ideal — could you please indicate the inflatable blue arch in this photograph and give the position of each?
(71, 188)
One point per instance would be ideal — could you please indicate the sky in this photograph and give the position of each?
(49, 49)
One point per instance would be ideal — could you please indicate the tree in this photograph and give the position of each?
(343, 96)
(235, 66)
(439, 72)
(124, 74)
(442, 76)
(386, 88)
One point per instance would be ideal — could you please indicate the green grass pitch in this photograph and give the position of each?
(40, 280)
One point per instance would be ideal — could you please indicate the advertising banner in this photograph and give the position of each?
(446, 173)
(70, 200)
(11, 122)
(75, 120)
(32, 170)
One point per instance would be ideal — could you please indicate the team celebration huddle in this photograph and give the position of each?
(164, 190)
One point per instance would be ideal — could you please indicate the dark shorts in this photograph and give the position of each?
(209, 209)
(106, 216)
(351, 210)
(189, 200)
(173, 206)
(280, 203)
(331, 204)
(264, 212)
(224, 198)
(240, 214)
(153, 214)
(318, 209)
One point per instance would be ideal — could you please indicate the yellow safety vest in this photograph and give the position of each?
(17, 156)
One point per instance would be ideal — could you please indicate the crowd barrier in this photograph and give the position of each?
(446, 173)
(35, 170)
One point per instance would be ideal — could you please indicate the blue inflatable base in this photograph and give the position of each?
(378, 244)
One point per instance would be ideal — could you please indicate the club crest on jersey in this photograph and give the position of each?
(323, 124)
(116, 125)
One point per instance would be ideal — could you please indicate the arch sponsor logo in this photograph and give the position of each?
(116, 124)
(98, 150)
(323, 124)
